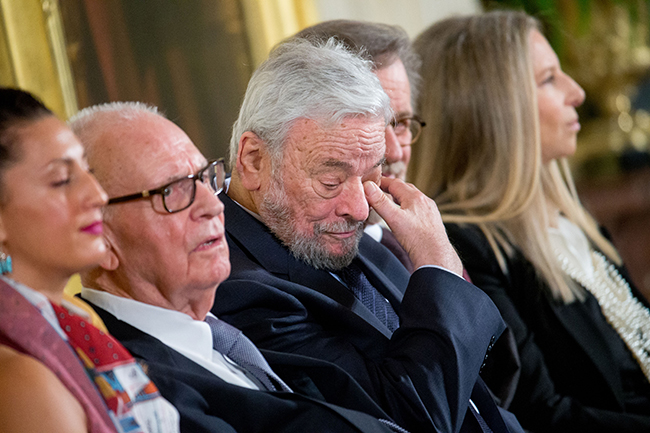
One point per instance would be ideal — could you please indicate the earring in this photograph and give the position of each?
(5, 263)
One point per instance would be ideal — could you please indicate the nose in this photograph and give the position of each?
(575, 95)
(352, 202)
(95, 196)
(394, 151)
(206, 203)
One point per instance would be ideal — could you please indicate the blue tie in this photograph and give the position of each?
(358, 283)
(231, 342)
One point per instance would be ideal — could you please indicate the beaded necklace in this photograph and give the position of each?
(623, 311)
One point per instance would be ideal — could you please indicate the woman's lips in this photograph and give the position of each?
(96, 228)
(574, 126)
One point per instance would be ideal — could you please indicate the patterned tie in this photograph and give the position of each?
(231, 342)
(357, 282)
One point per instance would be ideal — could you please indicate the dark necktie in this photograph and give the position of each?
(231, 342)
(358, 283)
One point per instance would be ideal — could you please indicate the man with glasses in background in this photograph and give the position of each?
(167, 253)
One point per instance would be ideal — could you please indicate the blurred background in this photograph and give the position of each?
(193, 59)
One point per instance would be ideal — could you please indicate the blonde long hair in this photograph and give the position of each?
(480, 155)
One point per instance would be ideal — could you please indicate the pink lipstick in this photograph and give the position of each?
(96, 228)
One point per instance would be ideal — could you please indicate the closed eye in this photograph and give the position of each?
(62, 182)
(549, 79)
(330, 186)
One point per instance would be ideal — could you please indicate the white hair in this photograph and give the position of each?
(323, 81)
(126, 110)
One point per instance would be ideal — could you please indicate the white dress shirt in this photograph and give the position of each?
(191, 338)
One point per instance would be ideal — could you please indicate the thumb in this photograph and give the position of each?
(379, 201)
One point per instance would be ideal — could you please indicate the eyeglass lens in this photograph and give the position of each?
(408, 130)
(180, 194)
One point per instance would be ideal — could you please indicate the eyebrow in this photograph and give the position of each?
(546, 69)
(174, 177)
(336, 163)
(59, 161)
(403, 114)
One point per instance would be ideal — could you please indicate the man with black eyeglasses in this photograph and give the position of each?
(167, 253)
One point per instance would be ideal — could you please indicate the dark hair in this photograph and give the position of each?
(380, 43)
(16, 107)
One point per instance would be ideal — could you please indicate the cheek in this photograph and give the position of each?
(306, 204)
(151, 240)
(406, 152)
(52, 225)
(549, 110)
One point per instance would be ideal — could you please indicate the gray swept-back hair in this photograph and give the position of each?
(381, 43)
(324, 82)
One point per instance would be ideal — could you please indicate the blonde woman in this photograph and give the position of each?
(501, 119)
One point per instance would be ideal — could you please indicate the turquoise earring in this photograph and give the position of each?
(5, 263)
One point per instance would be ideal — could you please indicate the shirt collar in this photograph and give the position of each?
(169, 326)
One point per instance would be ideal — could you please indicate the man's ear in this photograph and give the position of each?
(252, 161)
(110, 261)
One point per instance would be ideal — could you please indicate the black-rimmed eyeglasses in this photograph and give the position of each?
(407, 129)
(178, 195)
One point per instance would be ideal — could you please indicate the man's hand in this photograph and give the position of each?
(415, 220)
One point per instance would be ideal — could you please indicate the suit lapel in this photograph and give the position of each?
(487, 408)
(578, 327)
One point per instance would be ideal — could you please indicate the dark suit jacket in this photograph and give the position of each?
(569, 380)
(325, 398)
(422, 375)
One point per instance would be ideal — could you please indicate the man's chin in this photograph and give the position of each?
(327, 257)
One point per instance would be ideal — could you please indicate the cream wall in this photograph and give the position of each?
(413, 15)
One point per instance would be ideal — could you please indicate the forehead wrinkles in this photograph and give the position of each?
(348, 134)
(353, 141)
(154, 156)
(358, 141)
(357, 148)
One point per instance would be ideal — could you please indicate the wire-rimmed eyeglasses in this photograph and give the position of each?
(407, 129)
(179, 194)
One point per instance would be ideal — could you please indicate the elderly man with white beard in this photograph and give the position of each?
(307, 152)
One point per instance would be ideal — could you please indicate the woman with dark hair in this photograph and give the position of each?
(501, 120)
(58, 372)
